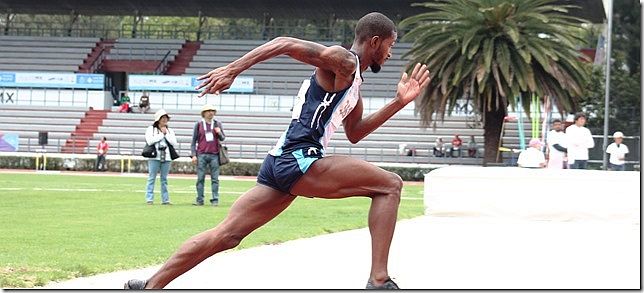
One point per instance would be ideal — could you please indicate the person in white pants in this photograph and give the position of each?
(617, 151)
(579, 140)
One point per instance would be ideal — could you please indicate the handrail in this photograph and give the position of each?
(127, 147)
(99, 60)
(161, 69)
(157, 31)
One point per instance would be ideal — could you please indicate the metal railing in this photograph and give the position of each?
(246, 150)
(340, 32)
(163, 64)
(98, 62)
(595, 155)
(388, 154)
(117, 53)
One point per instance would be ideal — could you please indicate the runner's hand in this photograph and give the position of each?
(216, 81)
(411, 85)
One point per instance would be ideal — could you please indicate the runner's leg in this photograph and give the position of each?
(255, 208)
(341, 177)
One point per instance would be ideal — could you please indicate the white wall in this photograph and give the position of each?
(543, 194)
(97, 99)
(240, 102)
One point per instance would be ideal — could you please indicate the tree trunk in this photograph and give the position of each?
(492, 134)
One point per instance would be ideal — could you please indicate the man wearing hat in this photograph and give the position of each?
(205, 152)
(617, 151)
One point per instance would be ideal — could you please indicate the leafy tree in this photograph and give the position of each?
(490, 52)
(625, 82)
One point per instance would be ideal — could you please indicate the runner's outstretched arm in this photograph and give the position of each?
(334, 59)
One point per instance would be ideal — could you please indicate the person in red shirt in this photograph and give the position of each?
(456, 146)
(101, 151)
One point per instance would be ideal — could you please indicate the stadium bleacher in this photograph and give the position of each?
(145, 49)
(58, 122)
(283, 75)
(27, 53)
(250, 134)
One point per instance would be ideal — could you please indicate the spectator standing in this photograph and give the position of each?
(159, 135)
(532, 157)
(617, 151)
(206, 138)
(144, 103)
(471, 147)
(101, 151)
(578, 140)
(556, 150)
(456, 146)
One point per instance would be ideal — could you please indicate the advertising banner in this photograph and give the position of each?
(184, 83)
(52, 80)
(9, 142)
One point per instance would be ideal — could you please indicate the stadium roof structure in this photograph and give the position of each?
(592, 10)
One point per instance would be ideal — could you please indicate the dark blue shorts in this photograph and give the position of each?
(282, 172)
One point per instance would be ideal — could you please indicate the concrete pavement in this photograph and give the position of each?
(428, 252)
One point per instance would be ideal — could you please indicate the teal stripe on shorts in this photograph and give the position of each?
(303, 162)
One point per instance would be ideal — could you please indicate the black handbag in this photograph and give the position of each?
(173, 153)
(149, 151)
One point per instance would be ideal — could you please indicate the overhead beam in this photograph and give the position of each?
(592, 10)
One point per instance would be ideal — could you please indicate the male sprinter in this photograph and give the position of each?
(296, 166)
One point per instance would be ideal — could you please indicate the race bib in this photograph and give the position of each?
(209, 136)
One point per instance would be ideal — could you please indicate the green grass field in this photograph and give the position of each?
(57, 227)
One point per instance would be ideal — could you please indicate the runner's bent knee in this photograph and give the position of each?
(394, 186)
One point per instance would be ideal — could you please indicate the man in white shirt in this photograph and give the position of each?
(556, 150)
(579, 140)
(617, 152)
(532, 157)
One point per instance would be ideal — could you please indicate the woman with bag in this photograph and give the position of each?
(162, 138)
(207, 153)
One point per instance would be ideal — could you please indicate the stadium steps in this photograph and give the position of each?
(140, 55)
(183, 59)
(84, 131)
(102, 45)
(130, 66)
(30, 53)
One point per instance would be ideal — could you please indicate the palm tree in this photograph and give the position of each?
(491, 52)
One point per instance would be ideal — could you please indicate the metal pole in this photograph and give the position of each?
(607, 87)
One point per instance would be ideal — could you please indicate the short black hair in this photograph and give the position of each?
(374, 24)
(579, 115)
(556, 120)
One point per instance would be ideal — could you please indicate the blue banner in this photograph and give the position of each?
(52, 80)
(9, 142)
(184, 83)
